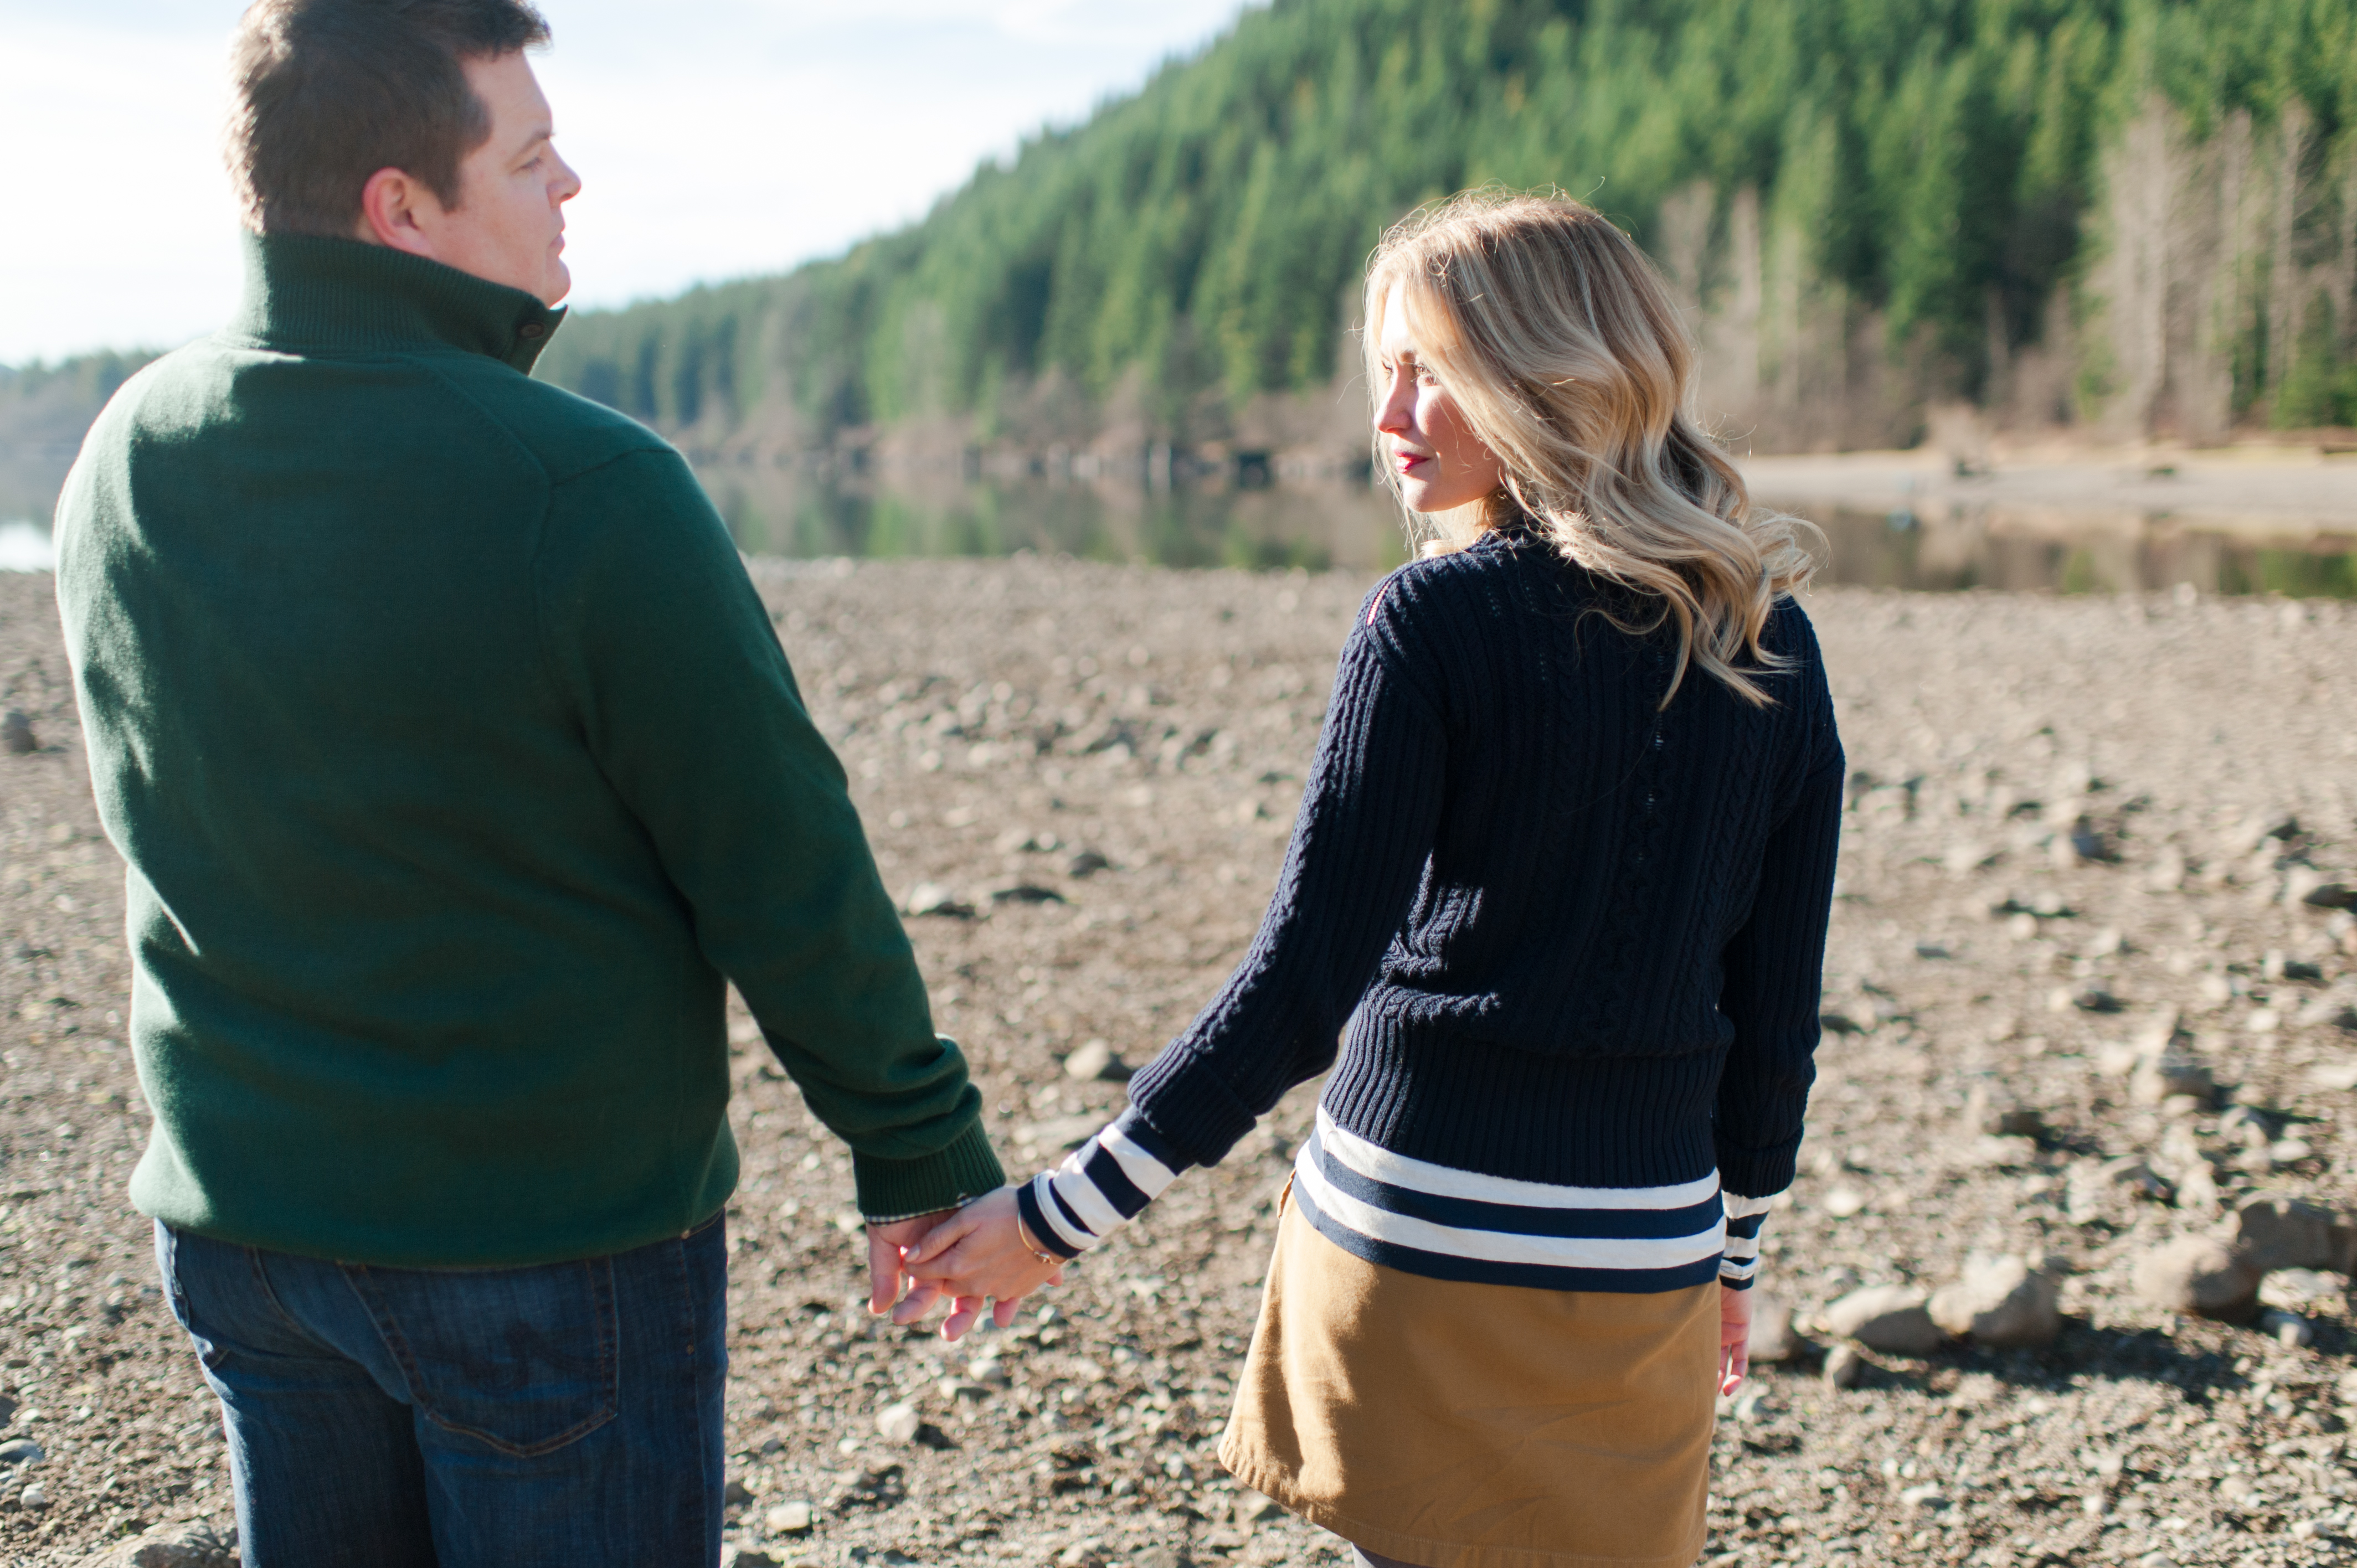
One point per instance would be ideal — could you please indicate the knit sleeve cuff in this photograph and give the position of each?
(1102, 1185)
(1738, 1265)
(1767, 1170)
(892, 1190)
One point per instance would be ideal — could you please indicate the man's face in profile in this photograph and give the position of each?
(509, 225)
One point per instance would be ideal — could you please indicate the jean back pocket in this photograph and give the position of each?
(523, 1360)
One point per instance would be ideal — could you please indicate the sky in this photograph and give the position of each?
(715, 139)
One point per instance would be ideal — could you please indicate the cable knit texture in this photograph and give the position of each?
(1577, 938)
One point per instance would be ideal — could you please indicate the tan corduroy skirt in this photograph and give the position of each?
(1476, 1425)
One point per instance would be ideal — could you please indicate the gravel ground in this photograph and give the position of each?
(2069, 817)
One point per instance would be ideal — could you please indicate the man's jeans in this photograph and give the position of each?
(466, 1418)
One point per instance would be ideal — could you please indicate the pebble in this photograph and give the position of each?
(2088, 997)
(2277, 1230)
(1845, 1367)
(1095, 1060)
(1845, 1201)
(2200, 1275)
(932, 899)
(745, 1557)
(180, 1545)
(1891, 1318)
(2297, 1289)
(16, 733)
(2288, 1328)
(33, 1497)
(1774, 1340)
(2001, 1303)
(20, 1451)
(2340, 1075)
(2135, 1176)
(1996, 1113)
(899, 1422)
(2305, 885)
(790, 1519)
(2169, 1073)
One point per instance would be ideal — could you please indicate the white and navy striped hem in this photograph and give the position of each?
(1101, 1187)
(1450, 1224)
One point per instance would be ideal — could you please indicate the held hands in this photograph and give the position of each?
(889, 1247)
(1734, 1338)
(978, 1253)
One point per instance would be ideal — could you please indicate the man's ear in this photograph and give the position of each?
(389, 204)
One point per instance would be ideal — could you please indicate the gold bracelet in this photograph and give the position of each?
(1023, 1234)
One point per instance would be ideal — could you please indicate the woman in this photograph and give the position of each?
(1565, 866)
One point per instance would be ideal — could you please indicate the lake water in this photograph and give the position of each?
(1935, 549)
(1921, 546)
(25, 547)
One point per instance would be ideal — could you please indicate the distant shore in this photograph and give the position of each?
(2253, 490)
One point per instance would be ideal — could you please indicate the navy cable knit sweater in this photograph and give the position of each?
(1578, 936)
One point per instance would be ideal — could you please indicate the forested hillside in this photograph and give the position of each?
(2134, 212)
(2135, 217)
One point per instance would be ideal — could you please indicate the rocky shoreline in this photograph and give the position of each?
(2082, 1007)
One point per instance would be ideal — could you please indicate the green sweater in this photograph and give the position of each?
(455, 763)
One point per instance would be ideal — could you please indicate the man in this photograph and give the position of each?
(455, 763)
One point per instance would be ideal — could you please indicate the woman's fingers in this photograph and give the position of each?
(940, 1238)
(950, 1264)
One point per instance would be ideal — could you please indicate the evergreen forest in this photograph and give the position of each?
(2138, 213)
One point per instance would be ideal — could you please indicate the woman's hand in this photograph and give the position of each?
(1734, 1338)
(979, 1254)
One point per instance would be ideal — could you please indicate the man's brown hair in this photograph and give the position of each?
(328, 92)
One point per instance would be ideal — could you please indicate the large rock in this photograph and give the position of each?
(1890, 1318)
(2001, 1303)
(16, 735)
(170, 1546)
(2277, 1230)
(2200, 1275)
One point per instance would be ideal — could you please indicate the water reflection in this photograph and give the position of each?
(786, 511)
(782, 511)
(2061, 552)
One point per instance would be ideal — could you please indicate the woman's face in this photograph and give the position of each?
(1441, 464)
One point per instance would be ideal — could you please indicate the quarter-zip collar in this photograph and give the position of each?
(305, 291)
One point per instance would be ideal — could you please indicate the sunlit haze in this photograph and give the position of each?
(716, 140)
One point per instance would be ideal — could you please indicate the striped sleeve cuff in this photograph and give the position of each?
(1102, 1185)
(1739, 1264)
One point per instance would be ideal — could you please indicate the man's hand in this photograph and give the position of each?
(976, 1254)
(1734, 1338)
(885, 1273)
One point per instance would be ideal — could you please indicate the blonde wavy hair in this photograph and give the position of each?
(1561, 344)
